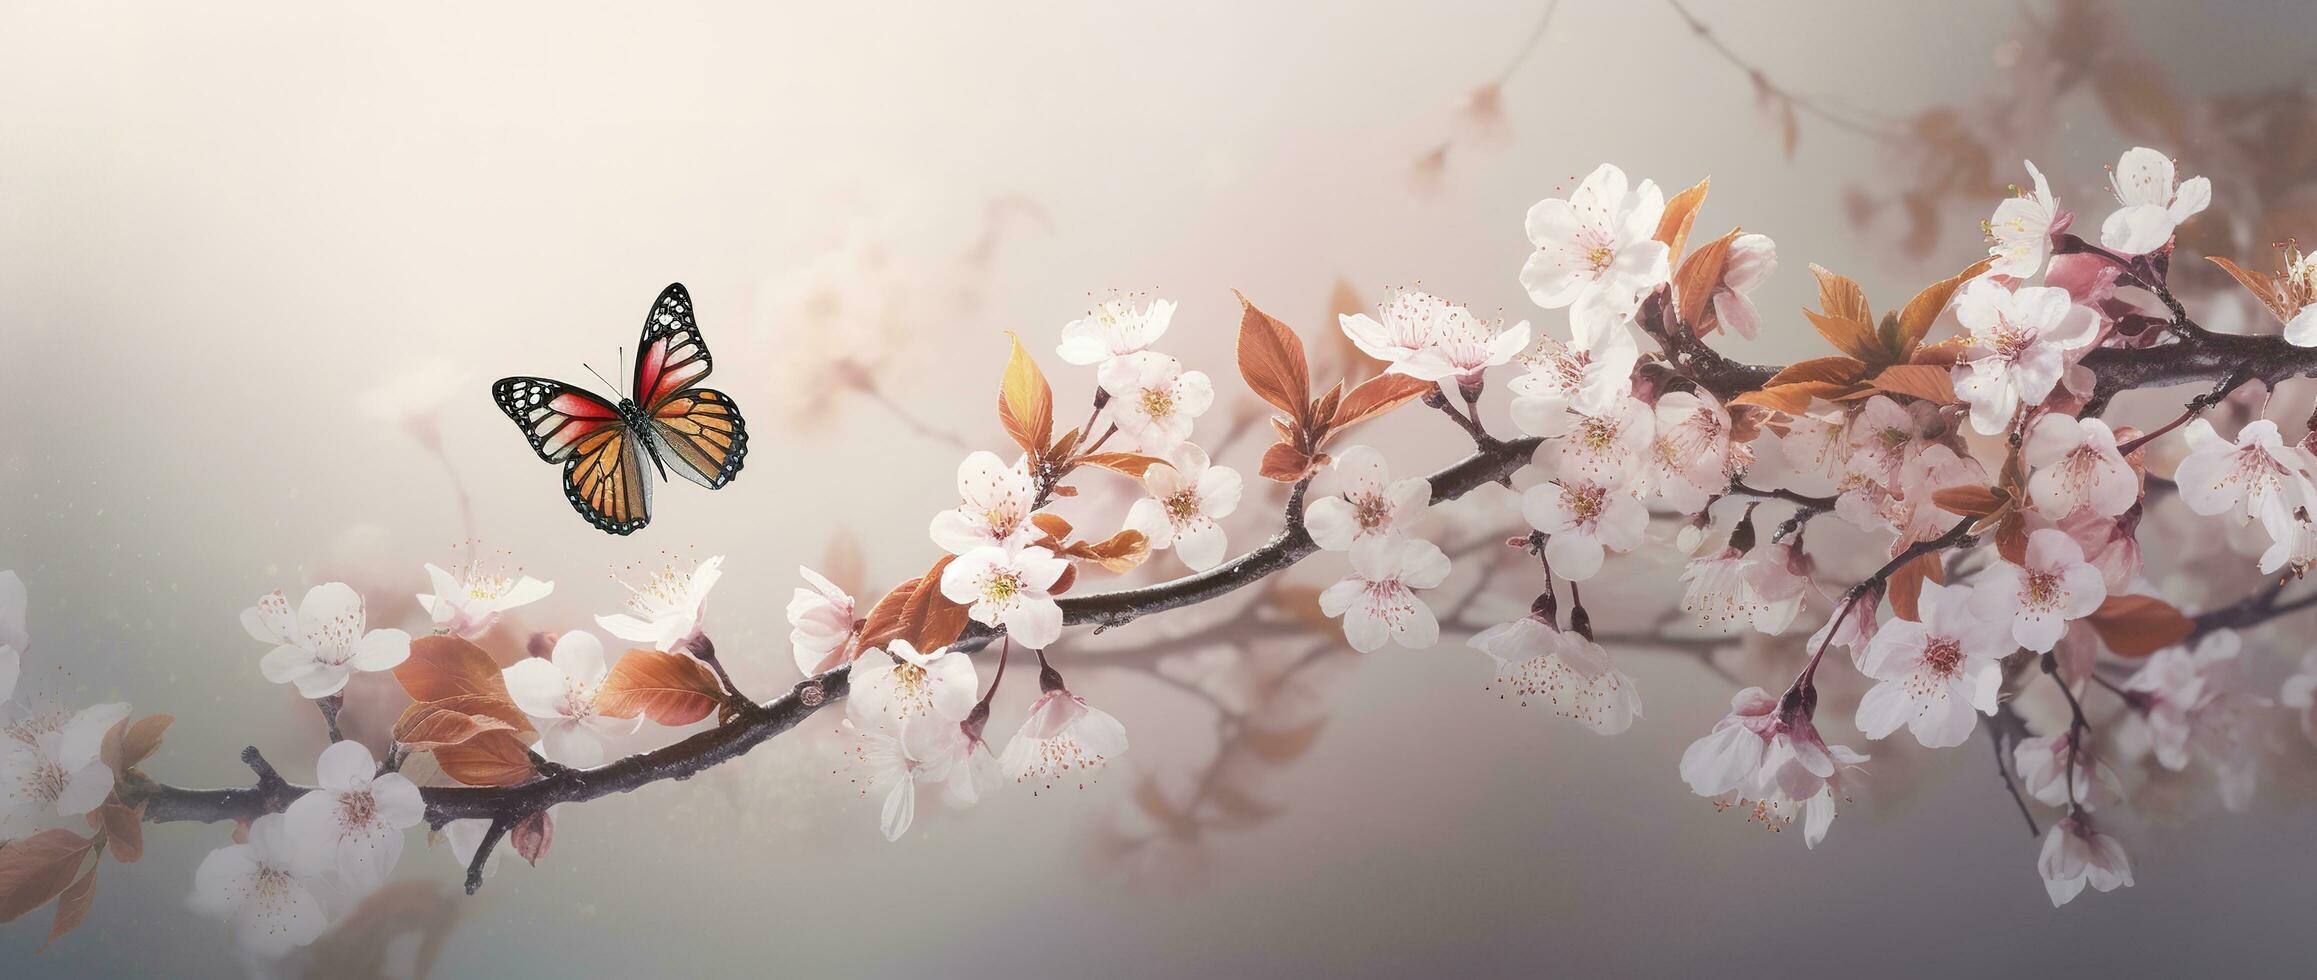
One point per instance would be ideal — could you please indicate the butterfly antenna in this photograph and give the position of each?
(599, 377)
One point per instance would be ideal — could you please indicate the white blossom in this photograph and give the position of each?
(1378, 599)
(320, 645)
(666, 610)
(1154, 401)
(271, 889)
(355, 816)
(1367, 504)
(1007, 586)
(1113, 330)
(2152, 204)
(469, 604)
(561, 693)
(2019, 239)
(821, 623)
(1595, 252)
(1187, 498)
(994, 509)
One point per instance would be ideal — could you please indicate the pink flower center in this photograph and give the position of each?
(1943, 656)
(1183, 506)
(2040, 590)
(1371, 510)
(357, 809)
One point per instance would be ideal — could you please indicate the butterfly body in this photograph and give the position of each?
(665, 418)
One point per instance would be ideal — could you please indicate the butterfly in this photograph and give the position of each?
(664, 419)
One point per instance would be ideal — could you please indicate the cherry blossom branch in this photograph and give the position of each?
(2008, 723)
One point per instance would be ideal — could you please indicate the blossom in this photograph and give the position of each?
(1426, 337)
(2021, 341)
(2191, 708)
(1369, 504)
(1153, 400)
(2078, 467)
(1595, 251)
(1582, 517)
(2045, 763)
(921, 749)
(1536, 660)
(58, 773)
(469, 605)
(1063, 734)
(2256, 472)
(1378, 600)
(1590, 377)
(1746, 265)
(1114, 329)
(355, 815)
(2074, 855)
(2019, 239)
(1187, 497)
(1689, 452)
(13, 639)
(271, 889)
(667, 609)
(995, 508)
(1764, 588)
(2050, 586)
(322, 644)
(1775, 757)
(2152, 205)
(2300, 694)
(2298, 291)
(1608, 445)
(820, 621)
(561, 693)
(1932, 675)
(1007, 586)
(898, 683)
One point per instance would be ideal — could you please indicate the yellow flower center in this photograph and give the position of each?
(1158, 403)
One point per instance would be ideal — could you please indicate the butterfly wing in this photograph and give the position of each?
(670, 356)
(603, 461)
(697, 429)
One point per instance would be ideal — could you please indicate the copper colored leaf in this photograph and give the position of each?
(2138, 625)
(1025, 402)
(1283, 745)
(1063, 582)
(930, 620)
(1843, 316)
(35, 869)
(1916, 318)
(1271, 359)
(72, 907)
(1905, 591)
(1853, 337)
(1793, 399)
(1927, 382)
(1118, 554)
(532, 836)
(1053, 524)
(668, 688)
(884, 620)
(443, 666)
(1374, 397)
(1284, 463)
(1131, 464)
(1970, 501)
(431, 725)
(1837, 369)
(2257, 283)
(123, 827)
(1681, 211)
(130, 743)
(1699, 276)
(490, 759)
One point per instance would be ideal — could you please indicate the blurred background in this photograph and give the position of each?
(259, 264)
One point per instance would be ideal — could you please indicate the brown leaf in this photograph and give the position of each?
(130, 743)
(2138, 625)
(1063, 582)
(1271, 359)
(1836, 369)
(1131, 464)
(1375, 397)
(1924, 381)
(1793, 399)
(72, 907)
(1916, 318)
(1118, 554)
(932, 621)
(1844, 318)
(1853, 337)
(1284, 463)
(1906, 586)
(1972, 501)
(430, 725)
(884, 620)
(669, 688)
(37, 868)
(443, 666)
(1025, 402)
(1053, 524)
(2259, 284)
(123, 827)
(1681, 211)
(490, 759)
(532, 836)
(1699, 276)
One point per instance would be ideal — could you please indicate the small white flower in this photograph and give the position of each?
(560, 691)
(270, 889)
(1113, 330)
(2074, 855)
(58, 773)
(820, 621)
(1063, 735)
(355, 816)
(1187, 497)
(2078, 467)
(2192, 709)
(1153, 400)
(1378, 600)
(1581, 518)
(995, 507)
(469, 604)
(1590, 378)
(2038, 598)
(2044, 763)
(2257, 473)
(2022, 341)
(668, 608)
(918, 750)
(1576, 676)
(1750, 261)
(1610, 445)
(2152, 205)
(1594, 251)
(1774, 759)
(1008, 587)
(1370, 504)
(897, 683)
(1426, 337)
(322, 644)
(1762, 589)
(1935, 676)
(1689, 451)
(2298, 286)
(2019, 238)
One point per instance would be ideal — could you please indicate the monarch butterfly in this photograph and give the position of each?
(664, 418)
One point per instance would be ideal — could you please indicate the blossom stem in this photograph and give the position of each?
(1956, 537)
(330, 707)
(2196, 406)
(2003, 768)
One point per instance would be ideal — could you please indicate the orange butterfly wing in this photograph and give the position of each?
(699, 430)
(607, 483)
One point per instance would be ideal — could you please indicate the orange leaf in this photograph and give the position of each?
(934, 620)
(1053, 524)
(1120, 553)
(669, 688)
(1927, 382)
(1026, 402)
(72, 907)
(1271, 359)
(1284, 463)
(124, 829)
(1969, 501)
(1374, 397)
(2259, 284)
(1906, 586)
(884, 619)
(490, 759)
(1131, 464)
(1844, 318)
(1916, 318)
(38, 868)
(1793, 399)
(1841, 297)
(1681, 211)
(1700, 274)
(1836, 369)
(2138, 625)
(130, 743)
(444, 666)
(430, 725)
